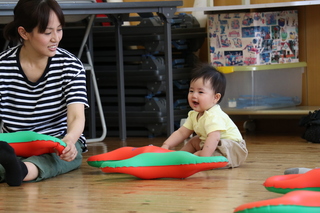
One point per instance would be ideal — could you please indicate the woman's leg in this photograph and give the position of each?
(50, 165)
(15, 169)
(33, 171)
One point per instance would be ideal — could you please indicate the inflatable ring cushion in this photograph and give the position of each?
(287, 183)
(293, 202)
(176, 164)
(122, 154)
(28, 143)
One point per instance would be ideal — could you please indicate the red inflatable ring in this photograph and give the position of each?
(287, 183)
(293, 202)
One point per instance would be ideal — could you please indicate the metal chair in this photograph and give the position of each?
(88, 66)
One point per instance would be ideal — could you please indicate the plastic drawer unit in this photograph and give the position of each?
(256, 89)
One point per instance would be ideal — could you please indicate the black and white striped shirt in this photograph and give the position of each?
(40, 106)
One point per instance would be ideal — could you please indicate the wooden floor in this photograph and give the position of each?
(221, 191)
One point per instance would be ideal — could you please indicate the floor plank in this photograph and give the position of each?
(222, 190)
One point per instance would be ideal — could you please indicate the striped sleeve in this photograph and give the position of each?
(74, 77)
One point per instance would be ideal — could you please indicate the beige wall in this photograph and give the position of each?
(312, 50)
(186, 3)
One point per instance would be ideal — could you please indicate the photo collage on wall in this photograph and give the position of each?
(255, 38)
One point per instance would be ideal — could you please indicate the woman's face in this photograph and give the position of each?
(45, 44)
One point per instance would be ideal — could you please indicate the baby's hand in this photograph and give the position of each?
(165, 146)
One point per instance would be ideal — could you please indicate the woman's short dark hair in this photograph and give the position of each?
(209, 73)
(30, 14)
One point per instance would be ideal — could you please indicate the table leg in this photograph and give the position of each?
(169, 78)
(120, 76)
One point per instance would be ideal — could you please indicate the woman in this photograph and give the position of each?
(42, 89)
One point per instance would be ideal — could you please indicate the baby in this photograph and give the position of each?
(216, 134)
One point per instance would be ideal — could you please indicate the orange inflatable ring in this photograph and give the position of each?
(287, 183)
(122, 154)
(176, 164)
(293, 202)
(28, 143)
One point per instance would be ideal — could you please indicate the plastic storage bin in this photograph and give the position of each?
(263, 89)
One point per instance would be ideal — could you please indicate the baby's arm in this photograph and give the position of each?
(177, 137)
(210, 145)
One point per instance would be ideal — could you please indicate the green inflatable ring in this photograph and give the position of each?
(28, 143)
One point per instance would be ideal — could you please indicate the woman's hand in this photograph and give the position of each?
(69, 153)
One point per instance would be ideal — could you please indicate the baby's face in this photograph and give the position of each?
(201, 96)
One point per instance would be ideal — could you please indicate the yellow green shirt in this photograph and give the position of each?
(213, 119)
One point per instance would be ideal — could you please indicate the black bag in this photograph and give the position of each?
(312, 124)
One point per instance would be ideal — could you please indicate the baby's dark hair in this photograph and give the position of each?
(208, 73)
(30, 14)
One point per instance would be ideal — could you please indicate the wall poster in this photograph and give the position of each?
(255, 38)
